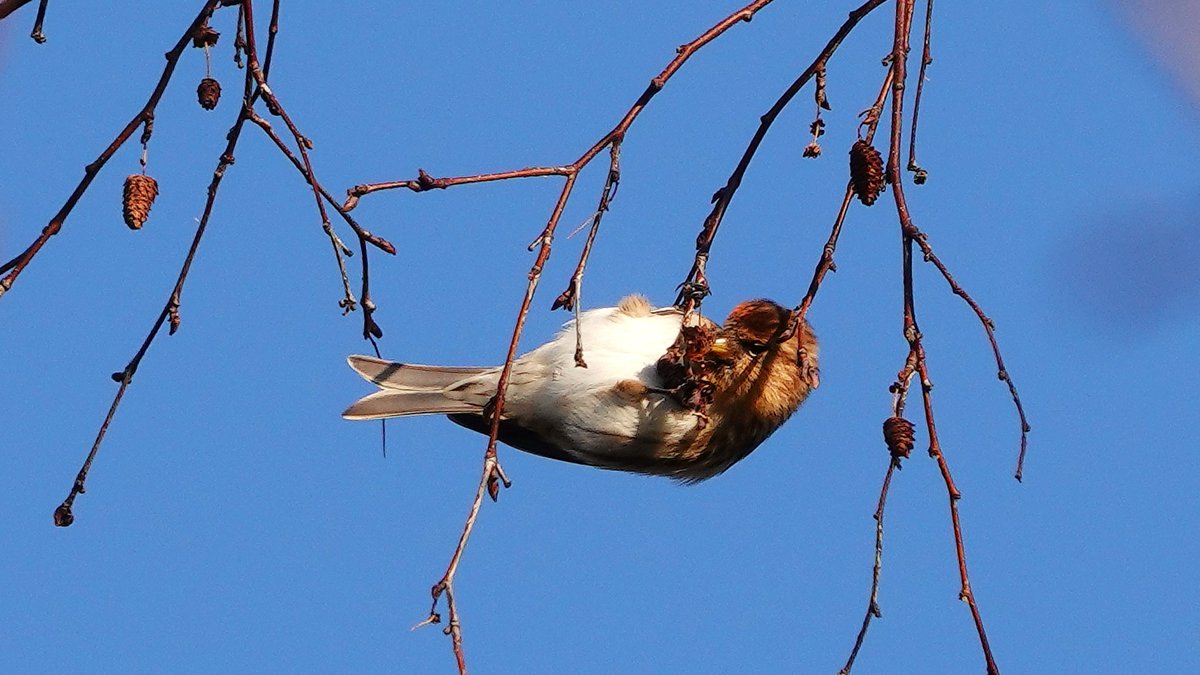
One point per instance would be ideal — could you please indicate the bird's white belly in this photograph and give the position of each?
(583, 410)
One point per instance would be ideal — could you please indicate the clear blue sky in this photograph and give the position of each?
(235, 523)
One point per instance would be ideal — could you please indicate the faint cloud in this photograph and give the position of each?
(1170, 31)
(1135, 270)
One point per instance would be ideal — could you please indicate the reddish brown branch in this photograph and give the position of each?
(871, 117)
(425, 182)
(920, 175)
(144, 117)
(571, 298)
(38, 35)
(348, 303)
(492, 473)
(912, 332)
(63, 515)
(825, 262)
(371, 329)
(9, 6)
(989, 327)
(873, 611)
(695, 285)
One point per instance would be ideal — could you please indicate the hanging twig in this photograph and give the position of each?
(825, 263)
(695, 285)
(38, 35)
(912, 332)
(920, 175)
(492, 473)
(570, 299)
(873, 611)
(63, 515)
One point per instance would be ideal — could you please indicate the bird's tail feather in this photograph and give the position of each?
(393, 403)
(408, 389)
(392, 375)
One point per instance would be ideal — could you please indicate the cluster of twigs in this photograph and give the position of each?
(255, 89)
(869, 176)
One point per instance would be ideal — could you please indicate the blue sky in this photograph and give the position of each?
(235, 522)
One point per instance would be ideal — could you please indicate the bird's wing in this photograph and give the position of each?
(517, 436)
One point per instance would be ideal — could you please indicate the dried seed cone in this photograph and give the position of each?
(866, 171)
(208, 93)
(205, 36)
(140, 191)
(898, 434)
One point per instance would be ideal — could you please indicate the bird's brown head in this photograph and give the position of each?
(760, 369)
(775, 366)
(757, 324)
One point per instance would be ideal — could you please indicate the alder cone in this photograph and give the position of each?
(208, 93)
(898, 434)
(866, 171)
(140, 191)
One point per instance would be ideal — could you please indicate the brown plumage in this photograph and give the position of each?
(764, 382)
(620, 412)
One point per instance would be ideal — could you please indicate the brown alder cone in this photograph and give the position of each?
(208, 93)
(866, 171)
(140, 191)
(898, 434)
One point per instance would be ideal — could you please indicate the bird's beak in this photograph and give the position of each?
(721, 348)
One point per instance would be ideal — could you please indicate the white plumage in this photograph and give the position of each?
(595, 415)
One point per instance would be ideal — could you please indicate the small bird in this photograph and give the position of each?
(622, 411)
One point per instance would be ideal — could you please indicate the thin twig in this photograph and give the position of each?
(571, 299)
(144, 118)
(920, 175)
(873, 611)
(912, 332)
(989, 327)
(371, 329)
(695, 285)
(348, 303)
(825, 262)
(425, 182)
(871, 117)
(63, 515)
(9, 6)
(493, 473)
(38, 35)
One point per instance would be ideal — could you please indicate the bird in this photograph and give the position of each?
(623, 411)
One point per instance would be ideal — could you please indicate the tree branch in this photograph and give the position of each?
(144, 118)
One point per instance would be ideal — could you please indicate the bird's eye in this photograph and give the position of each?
(753, 347)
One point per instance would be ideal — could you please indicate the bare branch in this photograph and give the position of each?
(688, 298)
(9, 6)
(63, 515)
(144, 118)
(912, 332)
